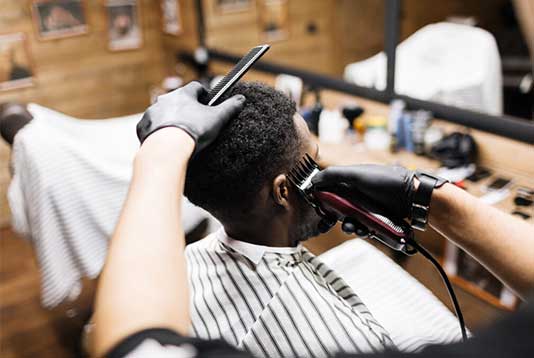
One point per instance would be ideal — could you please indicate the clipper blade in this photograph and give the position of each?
(301, 175)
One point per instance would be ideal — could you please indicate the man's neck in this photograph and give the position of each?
(274, 233)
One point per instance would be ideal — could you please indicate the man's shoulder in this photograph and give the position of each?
(207, 243)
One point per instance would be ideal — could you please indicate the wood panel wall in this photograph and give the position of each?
(238, 32)
(345, 31)
(359, 30)
(79, 75)
(416, 13)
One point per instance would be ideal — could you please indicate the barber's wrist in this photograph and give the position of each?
(166, 147)
(440, 204)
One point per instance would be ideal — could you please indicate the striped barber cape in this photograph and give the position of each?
(276, 302)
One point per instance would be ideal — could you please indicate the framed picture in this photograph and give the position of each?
(59, 18)
(172, 21)
(273, 19)
(16, 70)
(229, 6)
(124, 25)
(467, 273)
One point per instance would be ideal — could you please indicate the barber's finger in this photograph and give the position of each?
(194, 89)
(331, 177)
(353, 226)
(231, 107)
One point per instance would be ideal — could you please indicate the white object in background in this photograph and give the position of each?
(451, 258)
(432, 136)
(456, 174)
(444, 62)
(397, 108)
(332, 127)
(290, 85)
(495, 196)
(463, 20)
(507, 297)
(377, 139)
(171, 83)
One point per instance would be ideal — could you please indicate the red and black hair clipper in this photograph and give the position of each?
(395, 234)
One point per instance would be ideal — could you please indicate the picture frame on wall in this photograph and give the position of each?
(16, 65)
(124, 25)
(55, 19)
(470, 275)
(231, 6)
(171, 17)
(273, 20)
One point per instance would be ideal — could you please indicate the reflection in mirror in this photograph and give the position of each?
(322, 36)
(469, 54)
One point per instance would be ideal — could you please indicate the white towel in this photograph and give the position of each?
(454, 64)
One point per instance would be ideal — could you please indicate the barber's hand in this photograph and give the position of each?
(181, 109)
(386, 190)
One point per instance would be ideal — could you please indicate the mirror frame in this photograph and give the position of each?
(506, 126)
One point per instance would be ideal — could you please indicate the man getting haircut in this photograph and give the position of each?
(252, 283)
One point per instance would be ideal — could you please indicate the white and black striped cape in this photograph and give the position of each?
(276, 302)
(70, 180)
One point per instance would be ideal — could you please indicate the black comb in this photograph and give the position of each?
(234, 75)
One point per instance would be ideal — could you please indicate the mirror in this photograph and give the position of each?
(328, 37)
(469, 54)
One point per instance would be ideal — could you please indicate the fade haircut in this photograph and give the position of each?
(253, 148)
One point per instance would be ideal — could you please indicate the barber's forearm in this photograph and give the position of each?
(144, 281)
(502, 243)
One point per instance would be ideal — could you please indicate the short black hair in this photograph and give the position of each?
(255, 146)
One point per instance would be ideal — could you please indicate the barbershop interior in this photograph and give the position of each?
(384, 150)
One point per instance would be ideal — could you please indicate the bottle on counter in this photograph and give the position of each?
(397, 108)
(376, 135)
(420, 123)
(332, 126)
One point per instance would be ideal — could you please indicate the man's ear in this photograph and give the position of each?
(281, 191)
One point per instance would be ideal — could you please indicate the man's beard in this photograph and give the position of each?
(308, 222)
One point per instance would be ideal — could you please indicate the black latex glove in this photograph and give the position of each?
(181, 108)
(386, 190)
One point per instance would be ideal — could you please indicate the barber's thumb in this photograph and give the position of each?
(231, 107)
(353, 226)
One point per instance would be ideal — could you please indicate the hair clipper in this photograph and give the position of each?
(395, 234)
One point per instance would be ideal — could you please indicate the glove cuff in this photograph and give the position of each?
(422, 197)
(144, 133)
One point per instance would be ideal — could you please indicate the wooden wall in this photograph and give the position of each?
(359, 30)
(188, 39)
(80, 76)
(345, 31)
(416, 13)
(238, 32)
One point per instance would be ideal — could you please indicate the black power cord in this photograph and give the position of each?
(445, 279)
